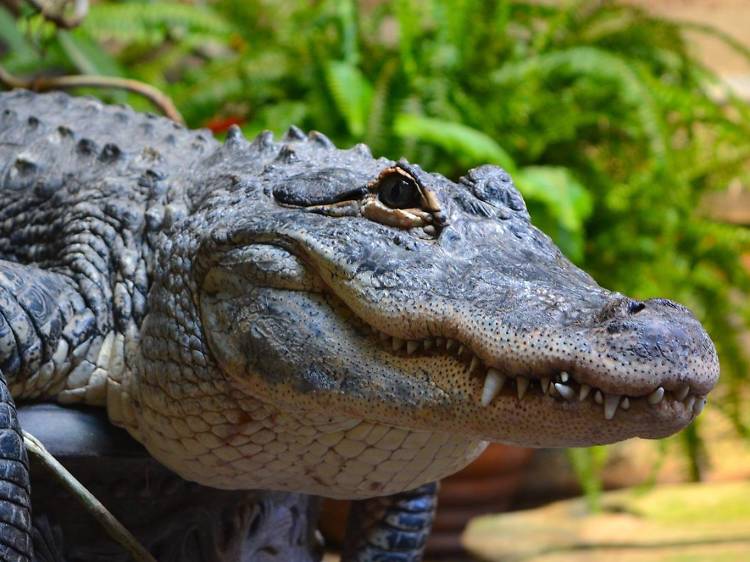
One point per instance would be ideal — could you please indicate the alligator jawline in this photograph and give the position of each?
(563, 386)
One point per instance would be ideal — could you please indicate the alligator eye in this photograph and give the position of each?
(399, 191)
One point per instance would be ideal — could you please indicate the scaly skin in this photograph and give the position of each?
(291, 316)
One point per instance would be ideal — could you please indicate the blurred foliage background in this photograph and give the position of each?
(610, 125)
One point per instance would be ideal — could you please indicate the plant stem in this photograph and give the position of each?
(43, 84)
(111, 525)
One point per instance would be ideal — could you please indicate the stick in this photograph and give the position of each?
(43, 84)
(111, 525)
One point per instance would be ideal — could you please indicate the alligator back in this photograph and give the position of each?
(94, 150)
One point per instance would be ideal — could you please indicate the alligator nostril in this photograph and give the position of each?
(634, 307)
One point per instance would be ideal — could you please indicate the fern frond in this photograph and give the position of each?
(352, 93)
(600, 66)
(151, 23)
(466, 143)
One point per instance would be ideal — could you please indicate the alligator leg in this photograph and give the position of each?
(42, 316)
(392, 528)
(15, 500)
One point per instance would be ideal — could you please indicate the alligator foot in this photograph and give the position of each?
(392, 528)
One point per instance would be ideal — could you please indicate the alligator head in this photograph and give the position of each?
(373, 290)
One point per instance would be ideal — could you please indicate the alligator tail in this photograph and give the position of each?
(392, 528)
(15, 488)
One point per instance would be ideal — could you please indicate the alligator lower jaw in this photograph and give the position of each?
(563, 386)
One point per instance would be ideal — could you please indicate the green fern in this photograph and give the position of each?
(153, 22)
(600, 66)
(352, 93)
(464, 143)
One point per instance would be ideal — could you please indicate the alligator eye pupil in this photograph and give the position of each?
(399, 192)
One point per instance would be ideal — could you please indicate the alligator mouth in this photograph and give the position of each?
(561, 385)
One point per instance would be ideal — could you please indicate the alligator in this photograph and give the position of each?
(286, 315)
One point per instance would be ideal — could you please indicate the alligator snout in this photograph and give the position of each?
(654, 344)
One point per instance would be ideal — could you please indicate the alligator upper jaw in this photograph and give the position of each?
(561, 385)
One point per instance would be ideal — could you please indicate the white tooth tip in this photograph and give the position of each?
(599, 397)
(565, 391)
(611, 401)
(681, 393)
(461, 350)
(397, 344)
(625, 404)
(656, 396)
(564, 377)
(690, 403)
(700, 403)
(544, 383)
(450, 344)
(493, 384)
(522, 385)
(412, 346)
(583, 393)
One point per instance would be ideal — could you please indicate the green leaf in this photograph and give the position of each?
(406, 16)
(86, 55)
(466, 143)
(558, 189)
(588, 465)
(600, 65)
(352, 94)
(20, 51)
(152, 22)
(558, 204)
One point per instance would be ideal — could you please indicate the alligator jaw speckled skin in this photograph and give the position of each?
(291, 316)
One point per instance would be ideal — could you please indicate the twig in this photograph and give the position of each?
(43, 84)
(55, 12)
(111, 525)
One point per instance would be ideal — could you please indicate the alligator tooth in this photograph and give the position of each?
(625, 404)
(522, 385)
(544, 383)
(690, 402)
(699, 405)
(583, 393)
(564, 377)
(656, 396)
(397, 344)
(598, 397)
(493, 384)
(611, 401)
(474, 364)
(428, 343)
(440, 342)
(412, 346)
(461, 350)
(450, 344)
(681, 393)
(565, 391)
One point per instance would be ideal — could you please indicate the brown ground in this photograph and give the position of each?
(731, 16)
